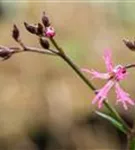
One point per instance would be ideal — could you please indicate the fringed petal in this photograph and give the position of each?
(96, 74)
(108, 60)
(123, 97)
(102, 94)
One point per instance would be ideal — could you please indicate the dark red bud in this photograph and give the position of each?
(31, 28)
(39, 29)
(5, 53)
(15, 32)
(44, 43)
(45, 20)
(129, 44)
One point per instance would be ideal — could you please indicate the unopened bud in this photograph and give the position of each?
(129, 44)
(45, 20)
(39, 29)
(15, 32)
(49, 32)
(5, 53)
(31, 28)
(44, 43)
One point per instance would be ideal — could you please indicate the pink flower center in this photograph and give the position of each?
(119, 73)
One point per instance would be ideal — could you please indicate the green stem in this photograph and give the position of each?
(57, 46)
(131, 138)
(131, 142)
(117, 116)
(77, 70)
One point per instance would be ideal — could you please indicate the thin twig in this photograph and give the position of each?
(130, 66)
(33, 49)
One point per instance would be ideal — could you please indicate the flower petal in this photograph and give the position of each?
(96, 74)
(108, 60)
(102, 94)
(123, 97)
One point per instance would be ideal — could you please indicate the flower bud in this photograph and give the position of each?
(44, 43)
(31, 28)
(45, 20)
(49, 32)
(129, 44)
(39, 29)
(15, 32)
(5, 52)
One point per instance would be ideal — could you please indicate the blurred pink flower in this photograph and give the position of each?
(49, 32)
(113, 75)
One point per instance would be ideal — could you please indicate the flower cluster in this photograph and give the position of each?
(41, 30)
(49, 30)
(114, 75)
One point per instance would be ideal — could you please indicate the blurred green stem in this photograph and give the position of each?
(131, 141)
(131, 138)
(113, 112)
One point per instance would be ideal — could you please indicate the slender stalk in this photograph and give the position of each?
(77, 70)
(130, 66)
(57, 46)
(33, 49)
(131, 138)
(131, 141)
(116, 115)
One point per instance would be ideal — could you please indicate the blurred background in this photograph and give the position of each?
(44, 105)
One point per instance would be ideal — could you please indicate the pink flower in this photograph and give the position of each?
(114, 75)
(49, 32)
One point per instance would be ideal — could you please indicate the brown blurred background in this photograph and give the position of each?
(44, 105)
